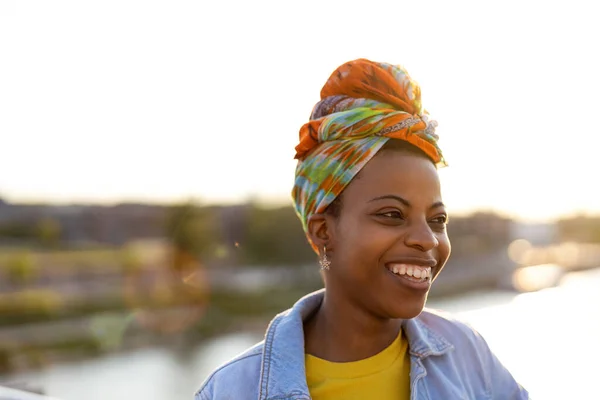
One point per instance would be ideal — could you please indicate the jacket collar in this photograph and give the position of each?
(283, 372)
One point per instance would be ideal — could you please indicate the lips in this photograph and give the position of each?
(413, 272)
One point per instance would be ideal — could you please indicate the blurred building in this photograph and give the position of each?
(82, 224)
(537, 234)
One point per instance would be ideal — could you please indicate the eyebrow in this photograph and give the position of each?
(404, 201)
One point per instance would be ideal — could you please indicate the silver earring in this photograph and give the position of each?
(324, 261)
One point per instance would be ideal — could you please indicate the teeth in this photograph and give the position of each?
(414, 271)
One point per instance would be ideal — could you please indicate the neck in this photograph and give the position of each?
(343, 332)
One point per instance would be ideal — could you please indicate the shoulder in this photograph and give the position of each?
(471, 356)
(467, 343)
(236, 378)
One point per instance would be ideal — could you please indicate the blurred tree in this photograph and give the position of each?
(194, 230)
(16, 230)
(131, 261)
(5, 359)
(274, 237)
(21, 269)
(49, 232)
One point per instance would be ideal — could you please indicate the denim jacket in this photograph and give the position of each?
(448, 360)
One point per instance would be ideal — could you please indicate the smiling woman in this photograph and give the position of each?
(388, 240)
(368, 195)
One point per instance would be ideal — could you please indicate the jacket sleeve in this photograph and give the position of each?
(205, 392)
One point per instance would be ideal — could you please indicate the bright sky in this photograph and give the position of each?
(162, 100)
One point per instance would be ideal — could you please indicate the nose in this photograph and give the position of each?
(420, 236)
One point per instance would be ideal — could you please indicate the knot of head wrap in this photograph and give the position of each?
(363, 105)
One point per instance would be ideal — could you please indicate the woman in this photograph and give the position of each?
(368, 195)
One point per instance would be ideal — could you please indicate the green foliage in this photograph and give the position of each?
(258, 236)
(37, 302)
(49, 232)
(21, 268)
(15, 230)
(274, 237)
(193, 229)
(131, 261)
(46, 231)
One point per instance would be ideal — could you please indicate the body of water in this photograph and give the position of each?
(548, 339)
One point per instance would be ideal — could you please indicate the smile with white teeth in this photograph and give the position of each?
(413, 272)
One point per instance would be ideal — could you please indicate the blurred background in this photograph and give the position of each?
(146, 163)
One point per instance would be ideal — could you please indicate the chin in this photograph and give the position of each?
(408, 311)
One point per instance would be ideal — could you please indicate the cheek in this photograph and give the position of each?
(364, 239)
(444, 247)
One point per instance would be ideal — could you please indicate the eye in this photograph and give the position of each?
(391, 214)
(442, 220)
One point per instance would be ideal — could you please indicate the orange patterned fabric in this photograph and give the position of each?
(363, 105)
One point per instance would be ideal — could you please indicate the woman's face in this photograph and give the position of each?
(392, 219)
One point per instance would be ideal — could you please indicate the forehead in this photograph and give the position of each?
(410, 176)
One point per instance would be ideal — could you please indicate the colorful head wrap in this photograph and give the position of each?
(363, 104)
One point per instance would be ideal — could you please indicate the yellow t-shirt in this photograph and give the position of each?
(384, 376)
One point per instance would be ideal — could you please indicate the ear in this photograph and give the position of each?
(321, 231)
